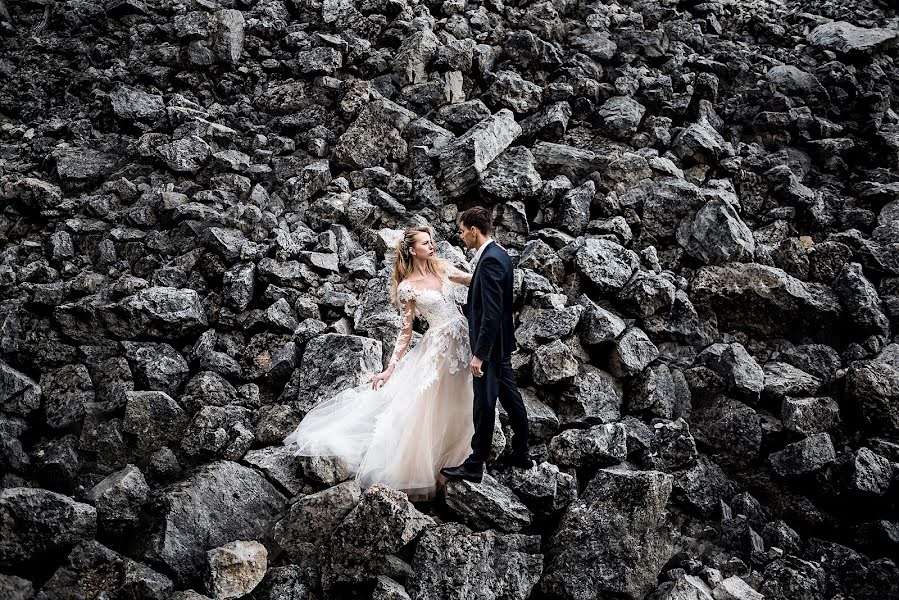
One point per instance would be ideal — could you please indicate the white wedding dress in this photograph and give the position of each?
(419, 421)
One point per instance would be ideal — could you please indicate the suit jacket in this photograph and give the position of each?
(489, 306)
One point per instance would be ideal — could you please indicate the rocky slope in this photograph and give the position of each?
(198, 206)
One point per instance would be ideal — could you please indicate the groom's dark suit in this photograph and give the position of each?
(492, 337)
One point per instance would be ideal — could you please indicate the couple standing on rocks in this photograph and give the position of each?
(434, 405)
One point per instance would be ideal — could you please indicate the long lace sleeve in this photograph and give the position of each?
(407, 316)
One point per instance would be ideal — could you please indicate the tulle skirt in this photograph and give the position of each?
(402, 434)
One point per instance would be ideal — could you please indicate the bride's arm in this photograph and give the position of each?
(407, 311)
(457, 275)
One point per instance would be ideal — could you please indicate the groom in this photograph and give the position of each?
(491, 333)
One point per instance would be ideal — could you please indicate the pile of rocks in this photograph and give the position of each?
(198, 205)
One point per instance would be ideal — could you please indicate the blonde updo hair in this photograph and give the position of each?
(402, 266)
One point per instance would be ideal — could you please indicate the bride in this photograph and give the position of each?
(416, 416)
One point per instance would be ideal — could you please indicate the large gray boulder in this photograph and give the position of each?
(611, 542)
(604, 263)
(381, 523)
(19, 394)
(486, 505)
(310, 522)
(846, 38)
(94, 571)
(453, 563)
(219, 503)
(764, 300)
(156, 312)
(331, 364)
(716, 234)
(36, 523)
(604, 444)
(873, 386)
(464, 159)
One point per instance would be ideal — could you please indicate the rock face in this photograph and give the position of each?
(200, 204)
(36, 523)
(587, 558)
(220, 503)
(453, 562)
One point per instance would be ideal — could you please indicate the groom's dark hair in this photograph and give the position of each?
(477, 216)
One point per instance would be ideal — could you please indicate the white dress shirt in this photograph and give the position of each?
(477, 255)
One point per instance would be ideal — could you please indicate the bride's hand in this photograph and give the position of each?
(380, 379)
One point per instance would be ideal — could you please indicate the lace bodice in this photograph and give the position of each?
(437, 307)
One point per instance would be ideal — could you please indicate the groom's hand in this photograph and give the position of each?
(475, 366)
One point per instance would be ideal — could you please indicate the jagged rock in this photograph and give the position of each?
(312, 520)
(764, 300)
(593, 397)
(381, 523)
(734, 588)
(156, 366)
(510, 90)
(621, 116)
(155, 419)
(544, 489)
(487, 505)
(132, 103)
(547, 324)
(611, 541)
(606, 264)
(861, 304)
(161, 312)
(652, 392)
(218, 432)
(736, 367)
(803, 457)
(703, 486)
(79, 167)
(119, 499)
(66, 391)
(332, 363)
(21, 395)
(873, 385)
(846, 38)
(869, 473)
(36, 523)
(554, 363)
(810, 415)
(228, 34)
(716, 234)
(599, 445)
(699, 143)
(632, 353)
(92, 571)
(646, 293)
(512, 175)
(33, 193)
(235, 569)
(220, 503)
(574, 208)
(731, 428)
(464, 159)
(672, 446)
(376, 134)
(794, 81)
(598, 324)
(413, 56)
(16, 588)
(792, 577)
(185, 155)
(453, 562)
(783, 379)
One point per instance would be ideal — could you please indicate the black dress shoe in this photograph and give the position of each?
(463, 472)
(522, 462)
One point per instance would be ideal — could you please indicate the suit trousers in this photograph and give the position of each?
(498, 381)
